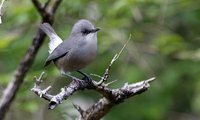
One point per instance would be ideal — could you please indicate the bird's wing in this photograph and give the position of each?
(58, 52)
(55, 40)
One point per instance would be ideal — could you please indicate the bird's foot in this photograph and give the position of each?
(69, 76)
(86, 77)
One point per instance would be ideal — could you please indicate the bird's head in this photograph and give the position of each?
(84, 27)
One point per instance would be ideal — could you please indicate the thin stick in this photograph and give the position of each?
(1, 6)
(105, 76)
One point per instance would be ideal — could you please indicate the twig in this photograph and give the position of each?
(38, 91)
(106, 74)
(55, 6)
(47, 4)
(95, 75)
(79, 109)
(39, 7)
(111, 82)
(1, 13)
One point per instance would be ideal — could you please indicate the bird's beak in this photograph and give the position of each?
(95, 30)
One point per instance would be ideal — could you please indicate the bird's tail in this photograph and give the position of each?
(55, 40)
(46, 27)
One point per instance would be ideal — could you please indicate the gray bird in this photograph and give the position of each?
(77, 51)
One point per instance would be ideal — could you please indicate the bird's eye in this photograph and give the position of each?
(85, 31)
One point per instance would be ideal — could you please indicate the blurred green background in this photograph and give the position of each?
(165, 43)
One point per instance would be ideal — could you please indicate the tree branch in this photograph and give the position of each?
(111, 97)
(106, 74)
(39, 7)
(55, 6)
(47, 4)
(25, 64)
(1, 7)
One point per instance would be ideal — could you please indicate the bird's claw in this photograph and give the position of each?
(87, 79)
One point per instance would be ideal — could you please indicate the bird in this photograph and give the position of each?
(74, 53)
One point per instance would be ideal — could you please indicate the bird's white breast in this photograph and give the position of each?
(91, 39)
(85, 53)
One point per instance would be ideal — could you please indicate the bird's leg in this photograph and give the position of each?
(67, 75)
(86, 77)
